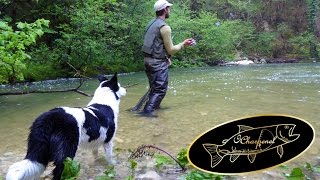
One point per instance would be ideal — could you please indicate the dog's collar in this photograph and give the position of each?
(115, 94)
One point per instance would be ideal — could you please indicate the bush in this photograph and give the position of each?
(216, 39)
(13, 45)
(301, 45)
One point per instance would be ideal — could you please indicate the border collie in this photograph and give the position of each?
(57, 134)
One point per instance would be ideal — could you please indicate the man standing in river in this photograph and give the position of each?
(157, 49)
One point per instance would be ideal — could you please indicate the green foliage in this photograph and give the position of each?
(4, 2)
(296, 174)
(84, 41)
(104, 36)
(248, 7)
(260, 44)
(162, 160)
(43, 64)
(99, 38)
(133, 165)
(13, 45)
(194, 174)
(313, 7)
(301, 44)
(71, 169)
(311, 168)
(183, 157)
(216, 39)
(234, 8)
(302, 172)
(281, 45)
(199, 175)
(313, 10)
(109, 174)
(130, 178)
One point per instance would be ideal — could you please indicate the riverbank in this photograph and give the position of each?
(146, 168)
(254, 60)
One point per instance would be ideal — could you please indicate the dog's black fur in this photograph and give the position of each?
(57, 134)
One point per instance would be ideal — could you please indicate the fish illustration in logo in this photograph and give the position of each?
(251, 141)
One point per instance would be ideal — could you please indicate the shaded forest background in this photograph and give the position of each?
(50, 39)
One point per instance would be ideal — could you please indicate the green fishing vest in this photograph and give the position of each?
(153, 42)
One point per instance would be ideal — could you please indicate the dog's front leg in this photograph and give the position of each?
(108, 150)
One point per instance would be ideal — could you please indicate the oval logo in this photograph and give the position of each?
(251, 144)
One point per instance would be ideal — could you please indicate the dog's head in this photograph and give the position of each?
(111, 85)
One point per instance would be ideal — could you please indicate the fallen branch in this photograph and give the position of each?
(39, 91)
(145, 150)
(50, 91)
(55, 91)
(77, 74)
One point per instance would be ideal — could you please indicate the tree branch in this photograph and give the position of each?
(50, 91)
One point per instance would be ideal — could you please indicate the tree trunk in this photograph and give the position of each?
(313, 9)
(317, 30)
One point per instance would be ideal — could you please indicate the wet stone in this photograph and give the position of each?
(8, 154)
(150, 175)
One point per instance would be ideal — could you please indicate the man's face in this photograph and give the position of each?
(167, 12)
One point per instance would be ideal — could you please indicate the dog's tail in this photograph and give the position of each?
(53, 137)
(38, 154)
(24, 170)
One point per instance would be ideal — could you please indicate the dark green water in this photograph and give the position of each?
(197, 100)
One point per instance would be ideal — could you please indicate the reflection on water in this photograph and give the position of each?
(197, 100)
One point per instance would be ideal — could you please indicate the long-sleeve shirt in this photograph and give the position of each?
(167, 40)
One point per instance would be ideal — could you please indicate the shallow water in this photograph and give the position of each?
(197, 100)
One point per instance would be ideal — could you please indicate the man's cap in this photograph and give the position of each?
(161, 4)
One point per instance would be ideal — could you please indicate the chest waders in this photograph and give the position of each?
(157, 72)
(156, 67)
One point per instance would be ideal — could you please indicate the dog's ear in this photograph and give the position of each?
(114, 79)
(113, 83)
(102, 78)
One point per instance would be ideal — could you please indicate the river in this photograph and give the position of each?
(197, 100)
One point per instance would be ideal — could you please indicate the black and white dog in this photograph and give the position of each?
(57, 134)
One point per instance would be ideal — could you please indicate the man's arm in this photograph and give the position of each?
(167, 40)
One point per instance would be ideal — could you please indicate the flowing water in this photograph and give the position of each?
(197, 100)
